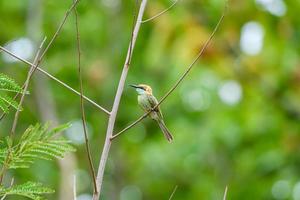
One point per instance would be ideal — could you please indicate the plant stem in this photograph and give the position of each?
(113, 115)
(55, 79)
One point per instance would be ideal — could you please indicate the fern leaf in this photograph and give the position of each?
(8, 84)
(3, 106)
(8, 101)
(31, 190)
(57, 130)
(34, 144)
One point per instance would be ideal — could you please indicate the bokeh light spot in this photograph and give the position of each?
(296, 191)
(275, 7)
(230, 92)
(281, 189)
(22, 47)
(197, 99)
(252, 35)
(84, 197)
(131, 192)
(75, 132)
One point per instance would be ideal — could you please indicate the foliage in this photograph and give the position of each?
(251, 146)
(37, 142)
(8, 85)
(30, 189)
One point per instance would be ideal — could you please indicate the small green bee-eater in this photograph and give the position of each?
(147, 102)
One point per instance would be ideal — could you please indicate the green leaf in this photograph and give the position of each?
(58, 129)
(9, 101)
(31, 190)
(37, 142)
(8, 84)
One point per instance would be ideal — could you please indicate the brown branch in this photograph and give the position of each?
(225, 193)
(174, 190)
(67, 13)
(112, 117)
(35, 65)
(161, 13)
(74, 187)
(29, 74)
(56, 80)
(87, 144)
(36, 62)
(180, 79)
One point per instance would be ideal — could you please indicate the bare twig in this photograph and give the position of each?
(74, 187)
(174, 190)
(29, 74)
(112, 117)
(225, 193)
(161, 13)
(87, 145)
(3, 197)
(36, 62)
(56, 80)
(180, 79)
(67, 13)
(11, 184)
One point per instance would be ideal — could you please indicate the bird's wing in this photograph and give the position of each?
(153, 102)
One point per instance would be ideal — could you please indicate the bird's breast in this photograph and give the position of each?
(145, 104)
(143, 101)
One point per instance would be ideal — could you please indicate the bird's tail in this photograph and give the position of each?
(164, 129)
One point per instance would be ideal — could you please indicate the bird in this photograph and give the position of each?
(147, 102)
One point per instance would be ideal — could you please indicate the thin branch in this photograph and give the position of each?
(180, 79)
(11, 184)
(9, 106)
(56, 79)
(225, 193)
(161, 13)
(127, 64)
(74, 187)
(112, 117)
(46, 49)
(36, 62)
(29, 74)
(67, 13)
(130, 126)
(174, 190)
(83, 118)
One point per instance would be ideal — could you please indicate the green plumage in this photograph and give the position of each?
(148, 103)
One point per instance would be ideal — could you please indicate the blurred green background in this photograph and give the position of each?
(235, 118)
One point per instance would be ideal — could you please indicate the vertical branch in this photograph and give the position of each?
(26, 84)
(62, 23)
(112, 117)
(74, 187)
(181, 78)
(36, 62)
(83, 118)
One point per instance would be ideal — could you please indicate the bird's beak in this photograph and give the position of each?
(134, 86)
